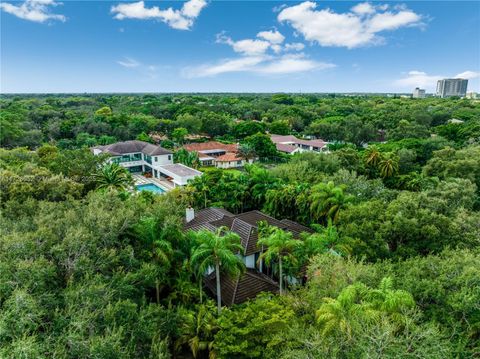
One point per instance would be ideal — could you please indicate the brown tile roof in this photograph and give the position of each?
(228, 157)
(211, 145)
(238, 290)
(244, 224)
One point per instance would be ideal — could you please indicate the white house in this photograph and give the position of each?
(144, 157)
(291, 144)
(229, 160)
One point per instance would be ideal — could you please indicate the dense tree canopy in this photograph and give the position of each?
(92, 268)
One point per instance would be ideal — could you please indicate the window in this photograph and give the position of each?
(169, 157)
(239, 162)
(156, 159)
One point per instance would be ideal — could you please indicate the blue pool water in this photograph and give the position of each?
(150, 187)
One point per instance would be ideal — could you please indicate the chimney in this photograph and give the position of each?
(189, 214)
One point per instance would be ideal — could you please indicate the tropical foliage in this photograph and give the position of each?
(91, 268)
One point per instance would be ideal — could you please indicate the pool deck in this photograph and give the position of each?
(139, 179)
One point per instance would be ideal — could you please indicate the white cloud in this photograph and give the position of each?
(468, 75)
(128, 62)
(265, 41)
(272, 36)
(267, 65)
(295, 46)
(421, 79)
(34, 10)
(358, 27)
(418, 79)
(363, 8)
(245, 47)
(290, 64)
(182, 19)
(227, 65)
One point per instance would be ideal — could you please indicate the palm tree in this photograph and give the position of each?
(247, 151)
(218, 250)
(148, 230)
(112, 175)
(202, 187)
(391, 301)
(345, 313)
(197, 330)
(261, 180)
(327, 200)
(357, 304)
(187, 158)
(372, 156)
(326, 241)
(279, 244)
(388, 166)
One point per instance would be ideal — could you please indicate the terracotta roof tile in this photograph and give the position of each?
(211, 145)
(228, 157)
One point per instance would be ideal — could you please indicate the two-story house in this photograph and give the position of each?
(144, 157)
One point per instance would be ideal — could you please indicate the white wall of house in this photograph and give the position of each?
(230, 164)
(162, 160)
(249, 261)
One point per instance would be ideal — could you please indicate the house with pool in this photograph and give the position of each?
(151, 164)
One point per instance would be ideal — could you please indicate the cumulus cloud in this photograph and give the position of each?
(265, 54)
(246, 46)
(34, 10)
(267, 65)
(182, 19)
(272, 36)
(417, 78)
(295, 46)
(265, 41)
(358, 27)
(468, 75)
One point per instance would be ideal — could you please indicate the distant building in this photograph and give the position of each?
(452, 87)
(418, 93)
(142, 157)
(217, 154)
(291, 144)
(471, 95)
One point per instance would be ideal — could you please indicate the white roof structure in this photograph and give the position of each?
(179, 173)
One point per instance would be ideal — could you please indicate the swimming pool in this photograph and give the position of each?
(150, 187)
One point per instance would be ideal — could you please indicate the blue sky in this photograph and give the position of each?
(237, 46)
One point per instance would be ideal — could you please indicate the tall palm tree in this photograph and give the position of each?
(372, 156)
(218, 250)
(388, 166)
(148, 231)
(279, 244)
(112, 175)
(202, 187)
(327, 200)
